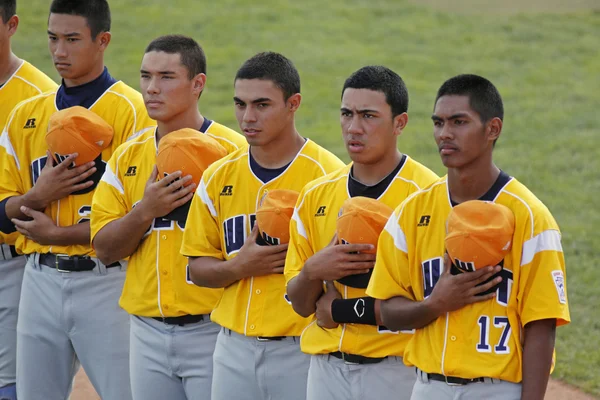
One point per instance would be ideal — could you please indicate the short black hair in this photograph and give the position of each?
(191, 53)
(273, 67)
(96, 12)
(483, 96)
(381, 79)
(8, 8)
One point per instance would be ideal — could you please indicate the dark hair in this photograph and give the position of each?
(381, 79)
(192, 55)
(96, 12)
(272, 67)
(484, 98)
(8, 8)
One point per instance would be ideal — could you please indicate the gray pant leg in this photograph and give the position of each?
(46, 362)
(282, 369)
(11, 277)
(234, 374)
(170, 361)
(332, 378)
(151, 373)
(327, 380)
(99, 329)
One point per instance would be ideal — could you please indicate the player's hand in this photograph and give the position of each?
(323, 311)
(41, 229)
(57, 182)
(163, 196)
(453, 292)
(339, 260)
(256, 260)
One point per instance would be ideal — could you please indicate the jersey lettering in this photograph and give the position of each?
(432, 269)
(36, 168)
(234, 231)
(84, 212)
(484, 335)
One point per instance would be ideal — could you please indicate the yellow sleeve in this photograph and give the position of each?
(202, 236)
(11, 183)
(108, 203)
(542, 290)
(391, 276)
(299, 248)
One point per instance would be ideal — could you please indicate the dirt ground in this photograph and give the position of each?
(83, 390)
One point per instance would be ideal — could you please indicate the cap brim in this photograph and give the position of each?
(179, 214)
(95, 177)
(359, 281)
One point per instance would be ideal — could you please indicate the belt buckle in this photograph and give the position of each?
(262, 339)
(56, 258)
(452, 383)
(347, 362)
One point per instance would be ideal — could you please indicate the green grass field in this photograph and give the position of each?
(544, 64)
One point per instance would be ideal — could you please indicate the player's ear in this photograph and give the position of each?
(103, 39)
(400, 122)
(494, 128)
(13, 24)
(199, 81)
(294, 101)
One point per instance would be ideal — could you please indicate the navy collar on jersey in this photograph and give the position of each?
(84, 95)
(355, 188)
(265, 174)
(492, 193)
(205, 125)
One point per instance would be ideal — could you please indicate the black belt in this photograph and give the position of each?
(182, 320)
(261, 338)
(452, 380)
(356, 359)
(8, 252)
(71, 263)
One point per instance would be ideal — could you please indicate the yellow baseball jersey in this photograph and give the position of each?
(23, 154)
(26, 82)
(313, 226)
(221, 217)
(157, 281)
(482, 339)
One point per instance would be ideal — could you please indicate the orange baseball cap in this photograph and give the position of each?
(360, 221)
(79, 130)
(479, 234)
(191, 152)
(273, 216)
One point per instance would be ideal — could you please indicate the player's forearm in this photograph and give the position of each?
(14, 204)
(400, 313)
(213, 273)
(538, 347)
(361, 310)
(120, 238)
(304, 293)
(71, 235)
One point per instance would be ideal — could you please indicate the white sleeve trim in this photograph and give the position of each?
(112, 179)
(393, 229)
(545, 241)
(8, 147)
(300, 225)
(203, 194)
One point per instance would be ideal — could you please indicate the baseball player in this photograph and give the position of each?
(172, 338)
(469, 340)
(353, 355)
(68, 307)
(19, 80)
(257, 355)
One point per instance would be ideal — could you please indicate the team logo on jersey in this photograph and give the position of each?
(227, 190)
(424, 221)
(559, 282)
(320, 211)
(30, 124)
(234, 230)
(131, 170)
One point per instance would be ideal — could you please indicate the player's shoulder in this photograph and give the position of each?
(146, 137)
(526, 206)
(29, 75)
(230, 139)
(320, 157)
(122, 97)
(436, 192)
(328, 182)
(36, 103)
(417, 174)
(232, 163)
